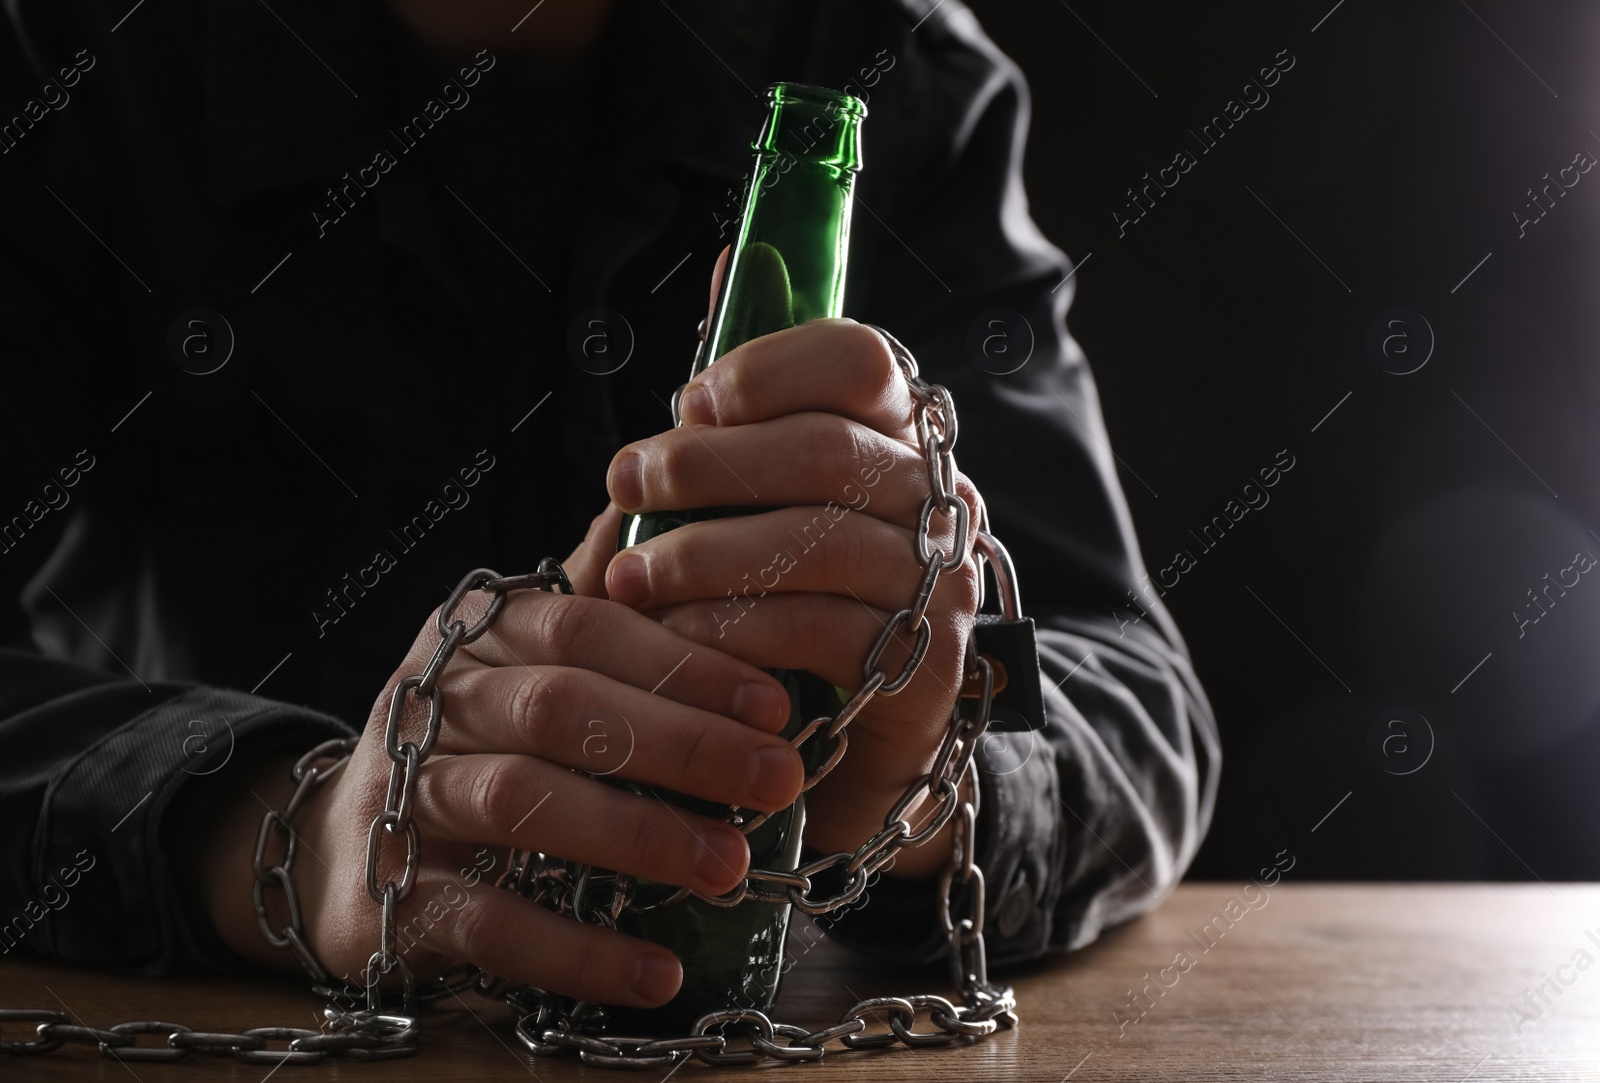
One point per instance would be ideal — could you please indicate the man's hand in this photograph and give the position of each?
(519, 706)
(816, 420)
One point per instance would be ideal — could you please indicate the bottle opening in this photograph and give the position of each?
(820, 95)
(813, 123)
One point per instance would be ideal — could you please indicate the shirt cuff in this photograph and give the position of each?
(1018, 849)
(122, 819)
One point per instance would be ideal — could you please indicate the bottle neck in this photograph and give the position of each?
(788, 264)
(788, 259)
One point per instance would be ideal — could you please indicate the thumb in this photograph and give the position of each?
(586, 566)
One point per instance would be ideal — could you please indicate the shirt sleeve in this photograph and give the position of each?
(1094, 820)
(103, 786)
(104, 779)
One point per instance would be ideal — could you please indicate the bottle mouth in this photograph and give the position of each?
(849, 104)
(813, 123)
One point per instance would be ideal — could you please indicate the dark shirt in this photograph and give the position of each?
(241, 559)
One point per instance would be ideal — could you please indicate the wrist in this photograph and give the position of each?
(929, 859)
(224, 859)
(865, 818)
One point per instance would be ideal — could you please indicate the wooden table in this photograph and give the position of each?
(1320, 982)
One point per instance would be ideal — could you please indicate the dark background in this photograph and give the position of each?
(1420, 513)
(1393, 554)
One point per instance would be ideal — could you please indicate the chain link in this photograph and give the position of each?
(550, 1025)
(407, 757)
(372, 1034)
(378, 1038)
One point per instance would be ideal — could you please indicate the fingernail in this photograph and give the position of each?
(695, 407)
(723, 856)
(759, 704)
(655, 977)
(626, 488)
(628, 580)
(774, 775)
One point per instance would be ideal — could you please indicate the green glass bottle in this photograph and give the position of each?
(787, 266)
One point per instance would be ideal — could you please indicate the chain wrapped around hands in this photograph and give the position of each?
(386, 1026)
(551, 1025)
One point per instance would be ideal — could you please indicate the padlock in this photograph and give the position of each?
(1018, 702)
(1007, 640)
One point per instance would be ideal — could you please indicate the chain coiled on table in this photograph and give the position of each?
(550, 1025)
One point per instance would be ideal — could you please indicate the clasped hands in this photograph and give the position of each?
(816, 423)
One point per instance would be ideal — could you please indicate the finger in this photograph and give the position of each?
(527, 803)
(807, 458)
(830, 637)
(512, 937)
(828, 365)
(716, 286)
(537, 627)
(581, 720)
(798, 459)
(829, 550)
(586, 565)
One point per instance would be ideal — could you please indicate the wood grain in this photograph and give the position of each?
(1318, 982)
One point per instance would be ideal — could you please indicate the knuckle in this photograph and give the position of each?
(567, 625)
(474, 936)
(964, 581)
(702, 622)
(813, 627)
(490, 796)
(673, 461)
(844, 555)
(539, 695)
(672, 556)
(874, 360)
(948, 658)
(732, 382)
(378, 718)
(836, 446)
(416, 658)
(968, 492)
(820, 440)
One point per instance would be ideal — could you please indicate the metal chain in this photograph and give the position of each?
(373, 1033)
(551, 1025)
(934, 418)
(407, 757)
(378, 1038)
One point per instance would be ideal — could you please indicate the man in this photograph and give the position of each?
(299, 283)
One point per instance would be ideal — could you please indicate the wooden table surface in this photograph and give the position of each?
(1319, 982)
